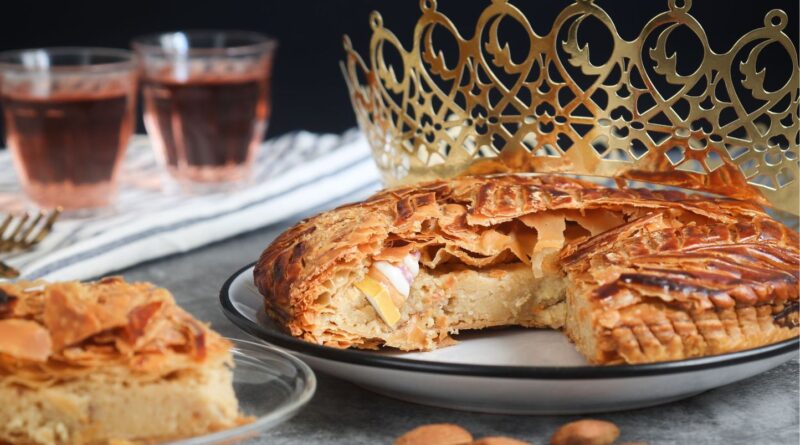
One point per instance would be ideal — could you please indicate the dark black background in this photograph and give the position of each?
(308, 90)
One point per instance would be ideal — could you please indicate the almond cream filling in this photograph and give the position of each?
(534, 241)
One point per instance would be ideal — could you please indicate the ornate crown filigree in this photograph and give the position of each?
(487, 109)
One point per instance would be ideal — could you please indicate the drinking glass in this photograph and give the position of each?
(206, 103)
(69, 114)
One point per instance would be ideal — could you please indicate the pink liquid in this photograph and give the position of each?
(68, 147)
(207, 129)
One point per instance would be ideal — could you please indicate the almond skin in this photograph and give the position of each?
(499, 440)
(586, 432)
(436, 434)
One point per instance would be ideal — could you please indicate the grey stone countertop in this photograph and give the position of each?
(760, 410)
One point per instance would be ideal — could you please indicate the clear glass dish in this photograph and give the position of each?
(271, 386)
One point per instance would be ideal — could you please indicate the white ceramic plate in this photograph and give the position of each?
(521, 371)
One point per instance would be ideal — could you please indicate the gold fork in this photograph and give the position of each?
(23, 232)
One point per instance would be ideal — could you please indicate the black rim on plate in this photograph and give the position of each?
(367, 358)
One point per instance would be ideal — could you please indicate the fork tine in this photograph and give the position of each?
(23, 238)
(9, 242)
(46, 228)
(4, 226)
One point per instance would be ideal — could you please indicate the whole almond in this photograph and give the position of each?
(499, 440)
(586, 432)
(435, 434)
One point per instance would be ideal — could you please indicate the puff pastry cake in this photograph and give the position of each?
(630, 275)
(108, 363)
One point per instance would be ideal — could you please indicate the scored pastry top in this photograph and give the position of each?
(695, 266)
(485, 221)
(107, 329)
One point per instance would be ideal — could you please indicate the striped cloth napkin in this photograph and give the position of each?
(294, 173)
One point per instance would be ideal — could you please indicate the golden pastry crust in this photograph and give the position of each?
(90, 363)
(477, 222)
(655, 289)
(109, 328)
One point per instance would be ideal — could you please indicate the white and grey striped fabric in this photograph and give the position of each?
(294, 173)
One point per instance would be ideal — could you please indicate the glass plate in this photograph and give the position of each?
(271, 386)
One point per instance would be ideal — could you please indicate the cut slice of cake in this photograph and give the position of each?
(108, 362)
(655, 289)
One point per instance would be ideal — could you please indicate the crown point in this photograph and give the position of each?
(775, 19)
(375, 20)
(680, 5)
(426, 5)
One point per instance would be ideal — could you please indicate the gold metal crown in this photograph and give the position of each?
(488, 109)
